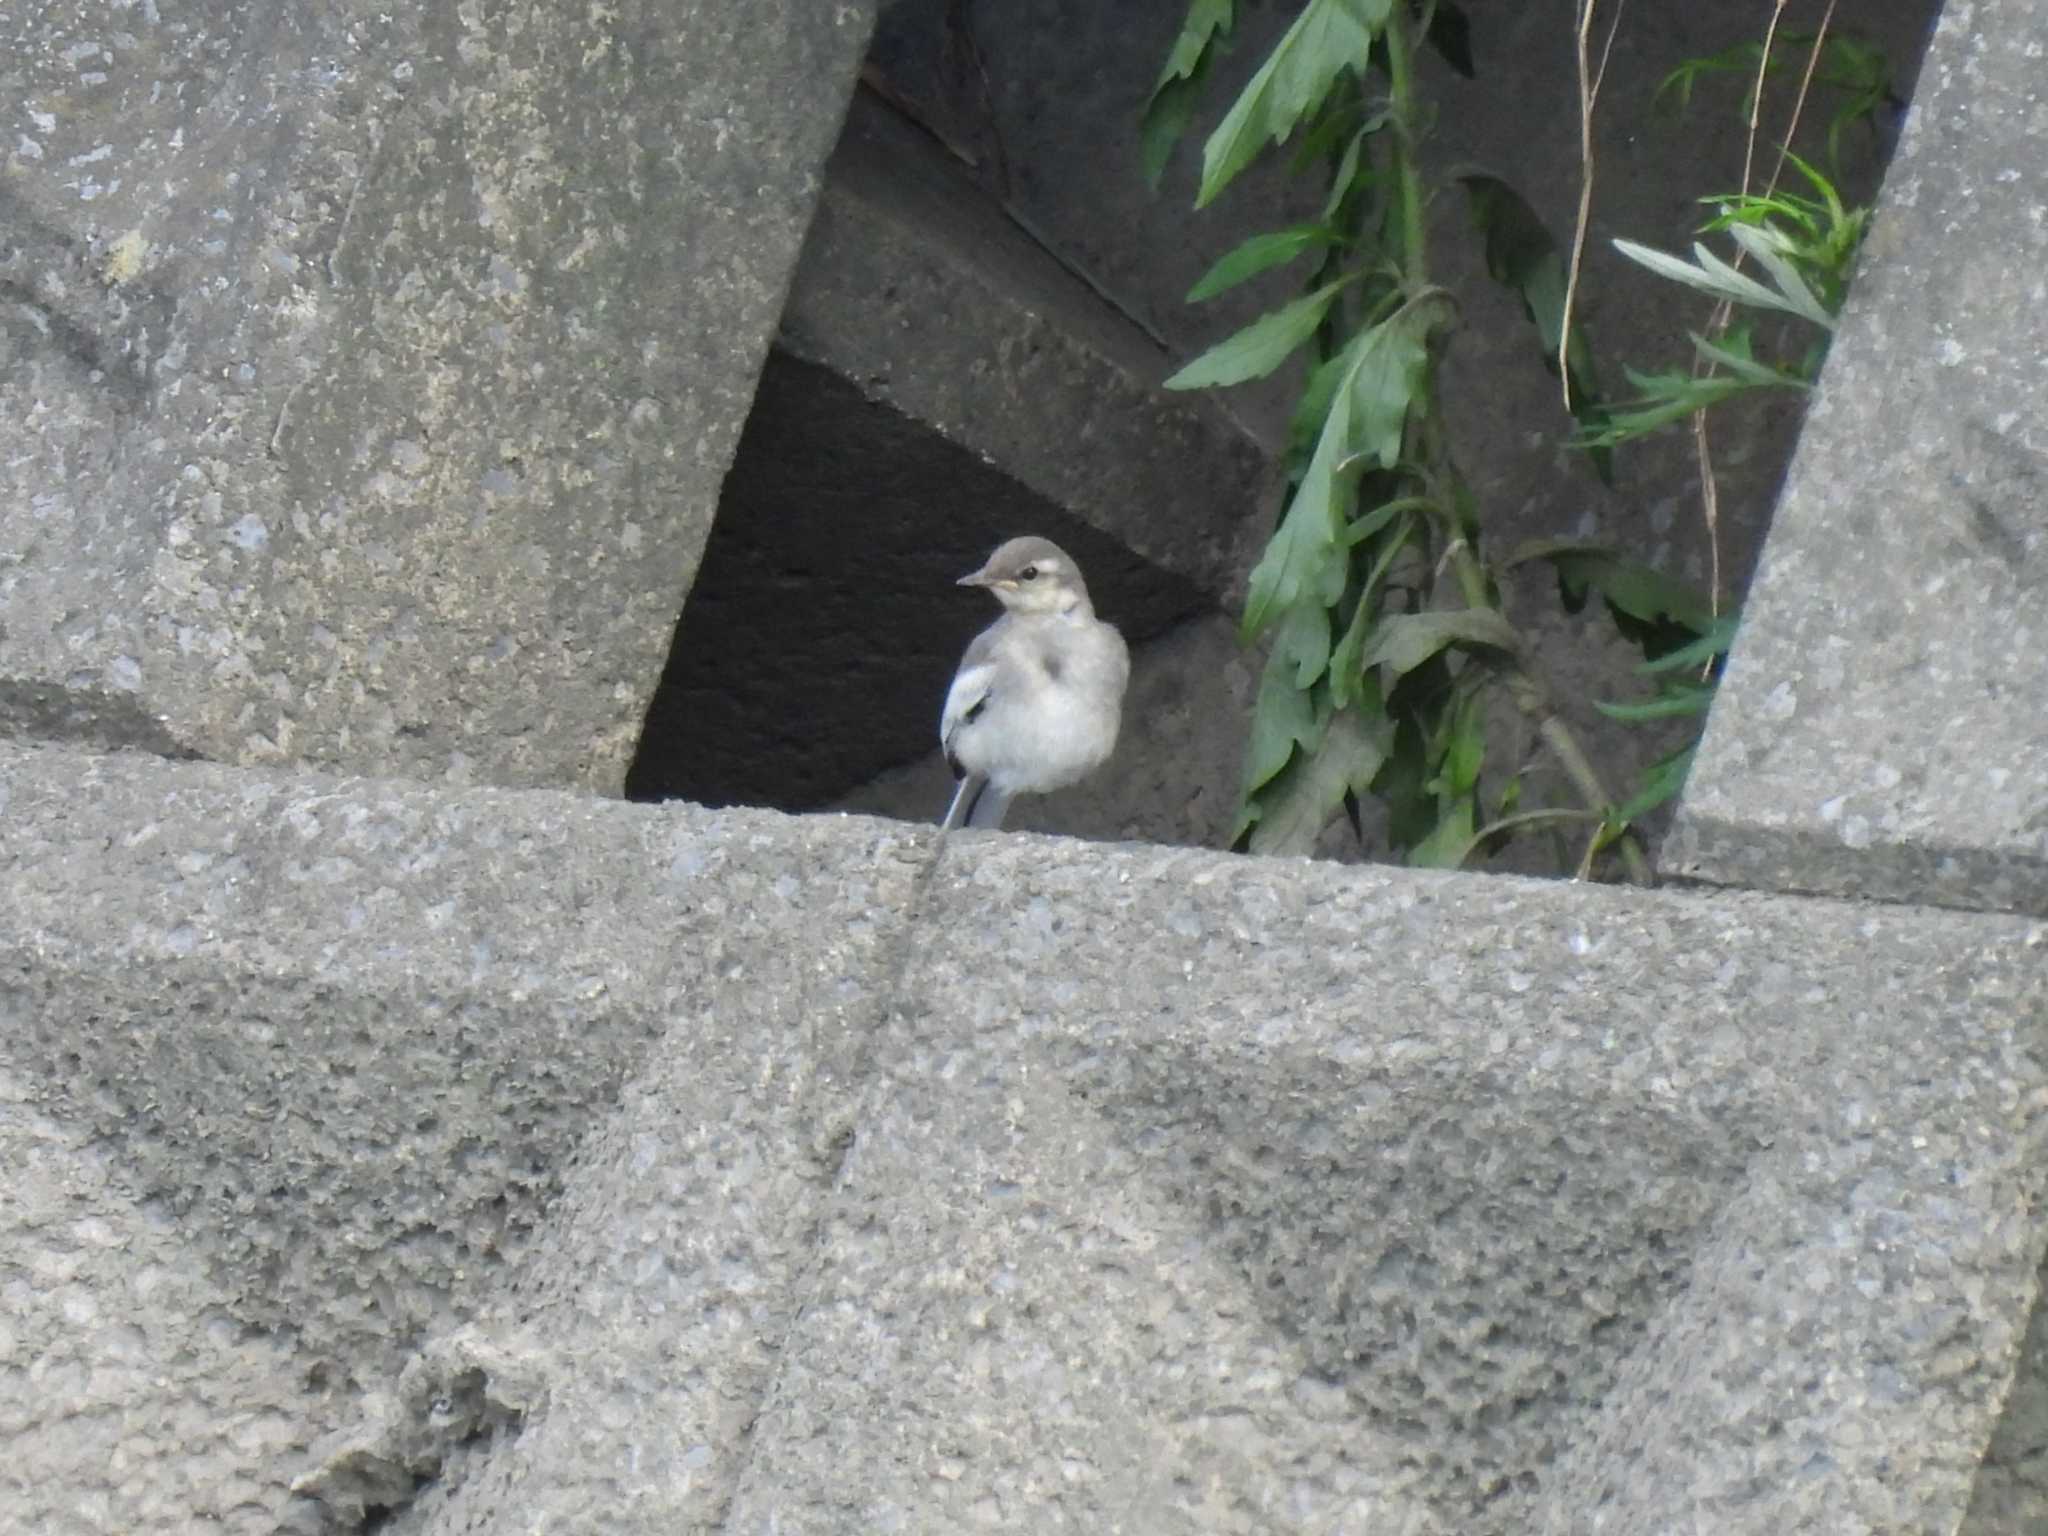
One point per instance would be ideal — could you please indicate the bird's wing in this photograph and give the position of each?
(971, 687)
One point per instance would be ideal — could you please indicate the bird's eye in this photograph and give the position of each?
(1029, 573)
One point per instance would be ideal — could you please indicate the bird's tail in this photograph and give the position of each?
(976, 803)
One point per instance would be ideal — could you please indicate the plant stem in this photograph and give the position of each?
(1527, 688)
(1408, 174)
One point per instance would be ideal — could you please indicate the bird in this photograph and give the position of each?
(1039, 694)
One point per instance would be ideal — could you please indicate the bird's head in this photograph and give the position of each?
(1033, 576)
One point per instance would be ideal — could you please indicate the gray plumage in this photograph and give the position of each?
(1038, 697)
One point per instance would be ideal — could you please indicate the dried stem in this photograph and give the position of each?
(1589, 93)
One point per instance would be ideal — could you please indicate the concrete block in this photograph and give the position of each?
(1231, 1195)
(2011, 1494)
(342, 1040)
(532, 1157)
(1881, 729)
(131, 1396)
(370, 373)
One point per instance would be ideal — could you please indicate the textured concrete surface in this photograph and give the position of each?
(339, 1041)
(367, 374)
(2011, 1495)
(916, 288)
(625, 1168)
(1219, 1195)
(132, 1397)
(1883, 730)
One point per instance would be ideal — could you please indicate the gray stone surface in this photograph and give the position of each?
(923, 293)
(367, 374)
(341, 1039)
(1883, 730)
(2011, 1494)
(620, 1169)
(1218, 1195)
(132, 1398)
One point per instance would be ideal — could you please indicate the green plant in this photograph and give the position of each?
(1806, 250)
(1387, 626)
(1387, 630)
(1859, 74)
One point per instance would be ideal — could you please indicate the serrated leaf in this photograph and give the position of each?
(1386, 377)
(1259, 254)
(1404, 641)
(1283, 717)
(1304, 800)
(1328, 37)
(1637, 590)
(1261, 346)
(1303, 641)
(1172, 103)
(1368, 409)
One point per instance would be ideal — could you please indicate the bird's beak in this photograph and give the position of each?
(973, 579)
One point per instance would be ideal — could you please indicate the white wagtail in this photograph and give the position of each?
(1040, 692)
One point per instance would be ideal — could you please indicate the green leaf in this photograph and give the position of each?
(1662, 781)
(1303, 641)
(1411, 810)
(1464, 753)
(1261, 346)
(1714, 641)
(1665, 398)
(1300, 802)
(1676, 701)
(1386, 380)
(1328, 37)
(1283, 717)
(1714, 276)
(1522, 256)
(1312, 410)
(1631, 588)
(1734, 352)
(1773, 252)
(1404, 641)
(1259, 254)
(1368, 408)
(1172, 103)
(1346, 173)
(1449, 840)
